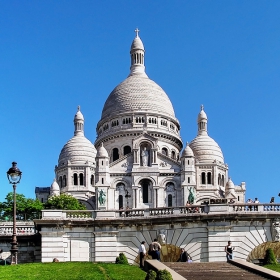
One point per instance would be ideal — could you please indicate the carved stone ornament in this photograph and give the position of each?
(125, 164)
(275, 230)
(163, 164)
(162, 236)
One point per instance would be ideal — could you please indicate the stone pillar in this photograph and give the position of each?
(105, 246)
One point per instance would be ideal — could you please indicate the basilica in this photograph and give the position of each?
(138, 159)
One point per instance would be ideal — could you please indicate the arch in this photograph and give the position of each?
(203, 178)
(64, 183)
(173, 155)
(169, 200)
(75, 176)
(115, 154)
(92, 180)
(219, 179)
(145, 154)
(223, 181)
(146, 190)
(60, 181)
(209, 178)
(126, 150)
(164, 151)
(120, 201)
(81, 178)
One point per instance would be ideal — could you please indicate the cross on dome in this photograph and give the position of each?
(202, 107)
(137, 31)
(79, 107)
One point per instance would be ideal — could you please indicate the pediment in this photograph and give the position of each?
(144, 137)
(123, 164)
(166, 163)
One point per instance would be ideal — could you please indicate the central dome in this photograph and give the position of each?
(138, 93)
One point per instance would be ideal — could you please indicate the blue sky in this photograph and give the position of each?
(56, 55)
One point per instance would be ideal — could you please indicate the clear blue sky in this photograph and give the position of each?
(55, 55)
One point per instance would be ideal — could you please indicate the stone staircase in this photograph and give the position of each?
(212, 271)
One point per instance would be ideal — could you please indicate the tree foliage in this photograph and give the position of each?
(26, 208)
(270, 257)
(121, 259)
(151, 275)
(164, 275)
(65, 202)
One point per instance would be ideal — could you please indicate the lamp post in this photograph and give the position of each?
(14, 176)
(127, 196)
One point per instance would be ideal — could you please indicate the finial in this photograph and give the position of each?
(137, 31)
(79, 107)
(202, 107)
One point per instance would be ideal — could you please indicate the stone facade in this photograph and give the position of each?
(101, 235)
(137, 159)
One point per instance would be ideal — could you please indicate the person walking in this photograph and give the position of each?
(157, 248)
(142, 253)
(229, 251)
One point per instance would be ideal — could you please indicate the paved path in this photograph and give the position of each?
(212, 271)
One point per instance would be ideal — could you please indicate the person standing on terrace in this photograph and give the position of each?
(229, 251)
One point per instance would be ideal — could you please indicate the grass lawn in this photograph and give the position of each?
(71, 270)
(275, 267)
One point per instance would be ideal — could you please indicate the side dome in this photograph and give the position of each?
(187, 152)
(205, 149)
(78, 150)
(138, 93)
(101, 151)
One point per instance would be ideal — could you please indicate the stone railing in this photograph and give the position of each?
(22, 228)
(158, 212)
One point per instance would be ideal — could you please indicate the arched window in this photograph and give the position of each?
(115, 154)
(209, 179)
(60, 181)
(75, 179)
(219, 179)
(164, 151)
(203, 179)
(126, 150)
(223, 181)
(64, 181)
(169, 199)
(145, 190)
(92, 180)
(120, 201)
(189, 179)
(173, 155)
(81, 177)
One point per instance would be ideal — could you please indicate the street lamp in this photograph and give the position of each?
(127, 196)
(14, 176)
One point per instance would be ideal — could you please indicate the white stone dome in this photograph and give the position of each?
(229, 185)
(202, 115)
(54, 186)
(138, 93)
(101, 151)
(137, 44)
(206, 149)
(78, 150)
(187, 152)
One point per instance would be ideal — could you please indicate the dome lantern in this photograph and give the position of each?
(79, 123)
(202, 121)
(137, 56)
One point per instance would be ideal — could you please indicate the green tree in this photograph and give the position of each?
(26, 208)
(151, 275)
(65, 202)
(270, 257)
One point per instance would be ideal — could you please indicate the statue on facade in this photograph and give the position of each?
(275, 230)
(192, 196)
(162, 237)
(145, 156)
(102, 197)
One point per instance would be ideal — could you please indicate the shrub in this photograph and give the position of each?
(151, 275)
(121, 259)
(270, 257)
(164, 275)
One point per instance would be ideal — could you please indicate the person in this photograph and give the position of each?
(156, 252)
(142, 253)
(189, 259)
(145, 157)
(249, 201)
(229, 251)
(184, 256)
(256, 201)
